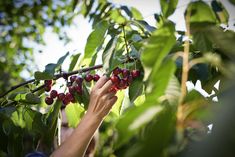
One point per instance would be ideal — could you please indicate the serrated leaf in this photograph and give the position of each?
(43, 76)
(95, 39)
(32, 98)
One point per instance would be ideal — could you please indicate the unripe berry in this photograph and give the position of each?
(49, 100)
(53, 94)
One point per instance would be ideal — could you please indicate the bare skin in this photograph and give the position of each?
(101, 102)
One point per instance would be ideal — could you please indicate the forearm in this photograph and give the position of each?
(76, 144)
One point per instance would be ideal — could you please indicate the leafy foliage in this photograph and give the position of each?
(152, 117)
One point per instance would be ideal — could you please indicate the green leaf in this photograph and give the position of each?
(173, 90)
(168, 7)
(157, 137)
(118, 105)
(95, 39)
(220, 11)
(159, 45)
(43, 76)
(49, 71)
(73, 114)
(133, 120)
(74, 61)
(159, 80)
(136, 88)
(116, 15)
(108, 53)
(232, 1)
(32, 99)
(136, 14)
(201, 41)
(201, 12)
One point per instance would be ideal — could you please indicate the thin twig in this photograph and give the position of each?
(185, 67)
(57, 76)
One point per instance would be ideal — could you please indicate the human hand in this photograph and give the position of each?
(101, 99)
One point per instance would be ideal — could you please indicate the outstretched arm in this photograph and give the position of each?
(101, 102)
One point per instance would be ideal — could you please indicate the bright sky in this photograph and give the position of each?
(55, 48)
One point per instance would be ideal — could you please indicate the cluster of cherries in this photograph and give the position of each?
(121, 79)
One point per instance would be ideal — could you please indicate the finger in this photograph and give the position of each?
(106, 86)
(101, 82)
(110, 95)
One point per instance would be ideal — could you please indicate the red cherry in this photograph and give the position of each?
(115, 79)
(78, 89)
(47, 88)
(71, 89)
(79, 80)
(61, 96)
(125, 72)
(117, 71)
(48, 82)
(73, 78)
(88, 77)
(96, 77)
(66, 101)
(122, 84)
(130, 79)
(135, 73)
(49, 100)
(69, 96)
(53, 94)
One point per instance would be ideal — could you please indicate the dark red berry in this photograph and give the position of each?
(47, 88)
(79, 80)
(88, 77)
(73, 78)
(122, 84)
(53, 94)
(117, 71)
(130, 79)
(78, 89)
(115, 79)
(96, 77)
(49, 100)
(69, 96)
(71, 89)
(48, 82)
(66, 101)
(135, 73)
(125, 72)
(61, 96)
